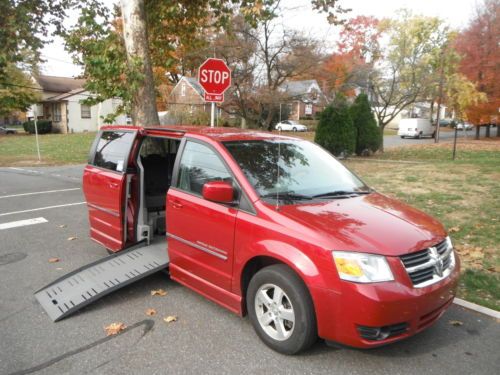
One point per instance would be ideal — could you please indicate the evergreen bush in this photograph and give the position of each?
(43, 126)
(368, 137)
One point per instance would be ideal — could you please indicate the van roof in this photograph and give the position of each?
(219, 134)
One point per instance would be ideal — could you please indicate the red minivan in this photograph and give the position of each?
(275, 227)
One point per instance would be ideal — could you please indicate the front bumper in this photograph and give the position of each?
(344, 316)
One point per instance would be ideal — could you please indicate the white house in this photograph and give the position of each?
(62, 104)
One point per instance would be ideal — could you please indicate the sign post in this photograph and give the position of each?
(215, 78)
(35, 115)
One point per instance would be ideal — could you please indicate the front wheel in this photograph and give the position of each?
(294, 129)
(281, 310)
(278, 128)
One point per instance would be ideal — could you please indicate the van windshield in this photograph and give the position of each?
(293, 168)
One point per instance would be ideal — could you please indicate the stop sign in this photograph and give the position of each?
(214, 76)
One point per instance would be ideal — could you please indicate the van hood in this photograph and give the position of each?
(371, 223)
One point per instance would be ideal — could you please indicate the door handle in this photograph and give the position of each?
(113, 185)
(177, 204)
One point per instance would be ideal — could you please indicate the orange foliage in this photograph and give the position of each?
(478, 45)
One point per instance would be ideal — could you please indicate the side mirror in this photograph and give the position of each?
(218, 191)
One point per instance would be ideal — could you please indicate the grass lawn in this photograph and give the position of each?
(464, 195)
(54, 148)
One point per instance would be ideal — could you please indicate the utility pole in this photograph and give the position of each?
(440, 97)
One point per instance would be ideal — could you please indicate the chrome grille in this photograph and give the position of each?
(431, 265)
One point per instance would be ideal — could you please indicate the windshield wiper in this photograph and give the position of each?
(340, 193)
(287, 195)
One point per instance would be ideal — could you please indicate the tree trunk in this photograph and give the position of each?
(478, 129)
(144, 112)
(381, 128)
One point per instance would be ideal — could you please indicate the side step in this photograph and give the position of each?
(87, 284)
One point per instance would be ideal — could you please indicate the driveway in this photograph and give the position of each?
(206, 338)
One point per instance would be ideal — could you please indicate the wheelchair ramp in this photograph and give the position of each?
(87, 284)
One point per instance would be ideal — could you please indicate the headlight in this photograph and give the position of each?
(362, 268)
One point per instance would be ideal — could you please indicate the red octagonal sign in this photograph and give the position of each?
(214, 76)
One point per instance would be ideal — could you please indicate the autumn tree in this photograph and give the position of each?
(478, 45)
(349, 65)
(17, 96)
(401, 68)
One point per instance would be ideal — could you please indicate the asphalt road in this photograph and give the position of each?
(445, 136)
(205, 339)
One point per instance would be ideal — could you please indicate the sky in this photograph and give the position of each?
(299, 15)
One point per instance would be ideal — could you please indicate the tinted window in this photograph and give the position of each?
(112, 149)
(199, 164)
(286, 166)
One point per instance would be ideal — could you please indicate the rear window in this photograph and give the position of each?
(113, 149)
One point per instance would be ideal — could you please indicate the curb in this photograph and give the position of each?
(477, 308)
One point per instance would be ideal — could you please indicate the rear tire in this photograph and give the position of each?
(281, 310)
(294, 129)
(278, 128)
(402, 137)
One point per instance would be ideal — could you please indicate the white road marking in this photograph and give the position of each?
(22, 223)
(37, 192)
(42, 208)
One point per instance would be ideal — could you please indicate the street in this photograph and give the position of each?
(206, 338)
(445, 136)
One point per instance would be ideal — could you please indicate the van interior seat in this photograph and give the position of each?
(157, 177)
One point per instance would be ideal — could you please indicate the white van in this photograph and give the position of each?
(416, 128)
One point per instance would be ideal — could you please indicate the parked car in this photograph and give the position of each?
(296, 241)
(416, 128)
(5, 130)
(446, 122)
(289, 125)
(465, 126)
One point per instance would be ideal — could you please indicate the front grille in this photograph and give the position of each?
(428, 266)
(382, 333)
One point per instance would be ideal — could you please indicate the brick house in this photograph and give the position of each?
(304, 98)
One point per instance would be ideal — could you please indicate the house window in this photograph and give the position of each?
(183, 89)
(85, 110)
(56, 111)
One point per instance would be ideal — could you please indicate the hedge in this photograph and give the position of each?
(43, 126)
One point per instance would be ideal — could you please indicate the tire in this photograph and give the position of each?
(419, 135)
(286, 336)
(402, 137)
(433, 135)
(294, 129)
(278, 128)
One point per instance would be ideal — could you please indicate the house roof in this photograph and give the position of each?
(195, 85)
(59, 84)
(65, 95)
(298, 88)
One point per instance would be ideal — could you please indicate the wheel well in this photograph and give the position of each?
(251, 268)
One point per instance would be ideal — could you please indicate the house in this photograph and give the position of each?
(304, 98)
(186, 100)
(62, 104)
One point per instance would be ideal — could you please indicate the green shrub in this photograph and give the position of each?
(43, 126)
(368, 136)
(335, 131)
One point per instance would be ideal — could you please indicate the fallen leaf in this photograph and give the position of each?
(54, 260)
(456, 323)
(62, 226)
(114, 328)
(72, 238)
(158, 292)
(150, 312)
(170, 318)
(454, 229)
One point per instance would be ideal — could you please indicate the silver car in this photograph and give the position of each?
(5, 130)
